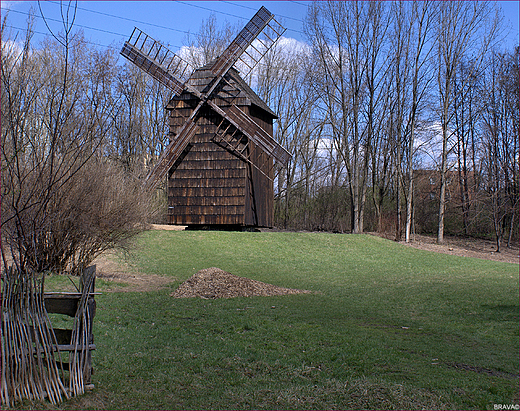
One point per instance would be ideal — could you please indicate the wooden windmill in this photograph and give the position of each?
(220, 158)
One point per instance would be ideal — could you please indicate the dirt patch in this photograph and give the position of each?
(122, 277)
(216, 283)
(464, 247)
(168, 227)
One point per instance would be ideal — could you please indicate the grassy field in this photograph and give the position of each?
(388, 327)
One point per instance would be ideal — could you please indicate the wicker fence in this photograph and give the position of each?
(39, 362)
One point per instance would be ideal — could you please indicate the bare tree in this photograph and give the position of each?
(208, 42)
(421, 27)
(284, 83)
(399, 75)
(500, 143)
(376, 106)
(511, 84)
(338, 34)
(466, 112)
(140, 125)
(461, 27)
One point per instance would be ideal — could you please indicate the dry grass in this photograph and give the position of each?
(462, 247)
(119, 276)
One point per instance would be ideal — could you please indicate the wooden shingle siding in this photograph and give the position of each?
(175, 192)
(210, 186)
(259, 201)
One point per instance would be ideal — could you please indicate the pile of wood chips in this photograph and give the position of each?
(216, 283)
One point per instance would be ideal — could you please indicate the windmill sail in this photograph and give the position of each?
(242, 41)
(232, 140)
(154, 58)
(259, 48)
(253, 131)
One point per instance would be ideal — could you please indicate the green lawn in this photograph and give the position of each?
(389, 327)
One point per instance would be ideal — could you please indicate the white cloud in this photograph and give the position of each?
(9, 5)
(326, 148)
(12, 48)
(191, 55)
(428, 146)
(290, 45)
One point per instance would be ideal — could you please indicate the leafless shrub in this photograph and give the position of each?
(97, 208)
(63, 201)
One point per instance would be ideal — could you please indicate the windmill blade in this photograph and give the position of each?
(243, 40)
(155, 59)
(254, 132)
(259, 48)
(174, 150)
(234, 142)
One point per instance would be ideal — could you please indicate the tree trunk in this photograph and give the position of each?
(409, 202)
(442, 194)
(398, 232)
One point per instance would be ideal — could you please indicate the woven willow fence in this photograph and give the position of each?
(32, 366)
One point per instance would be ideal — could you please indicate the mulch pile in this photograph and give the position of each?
(216, 283)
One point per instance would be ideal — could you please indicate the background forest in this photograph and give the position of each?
(402, 117)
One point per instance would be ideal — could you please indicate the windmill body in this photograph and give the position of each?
(209, 185)
(219, 161)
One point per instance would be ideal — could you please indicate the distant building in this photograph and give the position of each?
(428, 184)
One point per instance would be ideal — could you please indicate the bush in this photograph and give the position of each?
(98, 207)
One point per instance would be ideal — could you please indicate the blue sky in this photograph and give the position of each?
(109, 23)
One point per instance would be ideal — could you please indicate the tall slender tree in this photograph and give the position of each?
(421, 27)
(461, 27)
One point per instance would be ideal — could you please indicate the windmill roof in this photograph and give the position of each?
(255, 99)
(202, 76)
